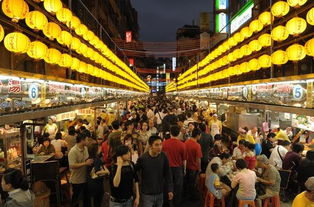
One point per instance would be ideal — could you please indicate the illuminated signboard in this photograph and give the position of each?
(221, 22)
(128, 36)
(221, 4)
(242, 16)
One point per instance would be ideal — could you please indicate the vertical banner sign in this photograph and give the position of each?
(168, 78)
(128, 36)
(221, 4)
(174, 63)
(131, 61)
(221, 22)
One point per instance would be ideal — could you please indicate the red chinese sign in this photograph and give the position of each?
(128, 36)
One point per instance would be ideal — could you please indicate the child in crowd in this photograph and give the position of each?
(213, 184)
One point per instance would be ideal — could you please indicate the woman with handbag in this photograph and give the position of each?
(95, 176)
(123, 178)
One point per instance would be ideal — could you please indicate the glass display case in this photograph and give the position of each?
(10, 149)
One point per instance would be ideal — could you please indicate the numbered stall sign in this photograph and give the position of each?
(298, 92)
(33, 91)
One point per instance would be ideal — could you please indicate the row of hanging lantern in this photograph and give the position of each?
(171, 86)
(19, 43)
(293, 53)
(294, 27)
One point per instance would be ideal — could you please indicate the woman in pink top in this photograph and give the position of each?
(246, 180)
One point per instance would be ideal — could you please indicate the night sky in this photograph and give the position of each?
(159, 19)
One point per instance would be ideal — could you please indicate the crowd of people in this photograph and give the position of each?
(154, 150)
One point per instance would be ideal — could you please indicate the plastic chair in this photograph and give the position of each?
(250, 203)
(275, 201)
(210, 199)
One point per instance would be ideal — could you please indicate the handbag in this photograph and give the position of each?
(101, 173)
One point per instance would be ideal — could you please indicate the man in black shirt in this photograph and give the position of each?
(155, 173)
(169, 119)
(123, 178)
(267, 144)
(206, 142)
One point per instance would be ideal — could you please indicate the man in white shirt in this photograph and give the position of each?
(279, 153)
(189, 119)
(150, 114)
(224, 163)
(238, 152)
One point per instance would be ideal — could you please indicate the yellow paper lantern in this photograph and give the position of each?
(255, 45)
(83, 67)
(265, 40)
(75, 63)
(279, 33)
(52, 6)
(256, 26)
(231, 42)
(245, 50)
(237, 54)
(52, 56)
(264, 61)
(75, 44)
(237, 70)
(15, 9)
(65, 60)
(266, 18)
(279, 57)
(52, 30)
(231, 58)
(81, 30)
(296, 3)
(238, 37)
(309, 46)
(244, 67)
(310, 17)
(246, 32)
(64, 15)
(37, 50)
(296, 52)
(65, 38)
(16, 42)
(280, 9)
(254, 65)
(1, 33)
(89, 35)
(296, 26)
(36, 20)
(90, 69)
(74, 23)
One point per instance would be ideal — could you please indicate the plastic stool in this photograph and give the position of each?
(210, 199)
(201, 184)
(275, 201)
(250, 203)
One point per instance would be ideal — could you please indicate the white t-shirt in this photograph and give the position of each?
(150, 114)
(58, 143)
(237, 154)
(275, 157)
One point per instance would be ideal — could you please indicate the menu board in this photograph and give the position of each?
(296, 93)
(18, 94)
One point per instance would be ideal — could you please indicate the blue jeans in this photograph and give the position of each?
(152, 200)
(128, 203)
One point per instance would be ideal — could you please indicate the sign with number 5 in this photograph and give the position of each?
(298, 92)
